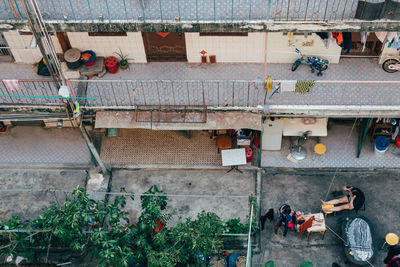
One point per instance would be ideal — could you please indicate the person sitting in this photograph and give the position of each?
(353, 201)
(287, 217)
(393, 256)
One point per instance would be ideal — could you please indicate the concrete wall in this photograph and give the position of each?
(131, 45)
(281, 48)
(249, 48)
(29, 56)
(387, 52)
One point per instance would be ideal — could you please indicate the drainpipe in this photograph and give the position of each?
(93, 149)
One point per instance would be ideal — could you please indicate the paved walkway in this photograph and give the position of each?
(341, 152)
(37, 145)
(352, 82)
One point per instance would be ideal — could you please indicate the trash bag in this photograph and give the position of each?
(42, 68)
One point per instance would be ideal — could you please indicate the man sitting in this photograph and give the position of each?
(353, 201)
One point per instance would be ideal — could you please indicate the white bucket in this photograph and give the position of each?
(380, 152)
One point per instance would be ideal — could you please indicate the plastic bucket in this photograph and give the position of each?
(91, 60)
(111, 64)
(381, 145)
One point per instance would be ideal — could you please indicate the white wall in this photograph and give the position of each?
(281, 49)
(131, 45)
(387, 52)
(28, 56)
(249, 48)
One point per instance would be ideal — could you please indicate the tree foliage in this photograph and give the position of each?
(104, 231)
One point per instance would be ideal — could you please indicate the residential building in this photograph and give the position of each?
(204, 65)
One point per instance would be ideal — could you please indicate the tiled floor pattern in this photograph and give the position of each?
(180, 83)
(24, 144)
(341, 152)
(188, 10)
(139, 146)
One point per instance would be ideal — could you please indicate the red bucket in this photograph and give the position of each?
(111, 64)
(249, 154)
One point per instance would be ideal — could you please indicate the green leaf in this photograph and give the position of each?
(269, 264)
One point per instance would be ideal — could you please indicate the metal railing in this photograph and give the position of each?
(185, 11)
(30, 93)
(129, 94)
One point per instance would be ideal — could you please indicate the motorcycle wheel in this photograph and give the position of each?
(324, 67)
(295, 66)
(389, 62)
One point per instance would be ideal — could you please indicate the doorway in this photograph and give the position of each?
(373, 46)
(164, 46)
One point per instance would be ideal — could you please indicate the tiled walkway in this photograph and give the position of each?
(37, 145)
(341, 152)
(352, 82)
(139, 146)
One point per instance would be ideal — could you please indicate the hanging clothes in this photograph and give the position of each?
(395, 42)
(304, 86)
(381, 36)
(338, 36)
(346, 41)
(364, 37)
(324, 37)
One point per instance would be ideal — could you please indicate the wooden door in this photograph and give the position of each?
(165, 46)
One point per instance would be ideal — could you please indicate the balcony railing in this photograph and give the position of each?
(202, 10)
(128, 94)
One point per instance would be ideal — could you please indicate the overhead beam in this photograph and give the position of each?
(353, 25)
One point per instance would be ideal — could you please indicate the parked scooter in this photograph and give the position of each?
(391, 64)
(315, 63)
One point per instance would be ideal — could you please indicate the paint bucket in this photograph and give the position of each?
(73, 58)
(381, 145)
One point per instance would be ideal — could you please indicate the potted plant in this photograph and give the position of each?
(123, 63)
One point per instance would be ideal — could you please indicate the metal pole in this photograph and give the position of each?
(93, 149)
(248, 264)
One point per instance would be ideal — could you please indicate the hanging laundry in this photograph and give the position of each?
(346, 41)
(338, 36)
(395, 43)
(290, 35)
(12, 85)
(381, 36)
(288, 86)
(324, 37)
(364, 37)
(304, 86)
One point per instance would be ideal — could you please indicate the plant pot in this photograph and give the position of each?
(123, 65)
(111, 64)
(88, 61)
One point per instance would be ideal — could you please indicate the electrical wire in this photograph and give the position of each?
(121, 193)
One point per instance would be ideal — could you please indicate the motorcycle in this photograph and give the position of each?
(315, 63)
(391, 64)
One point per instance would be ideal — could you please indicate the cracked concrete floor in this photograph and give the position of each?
(219, 187)
(303, 190)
